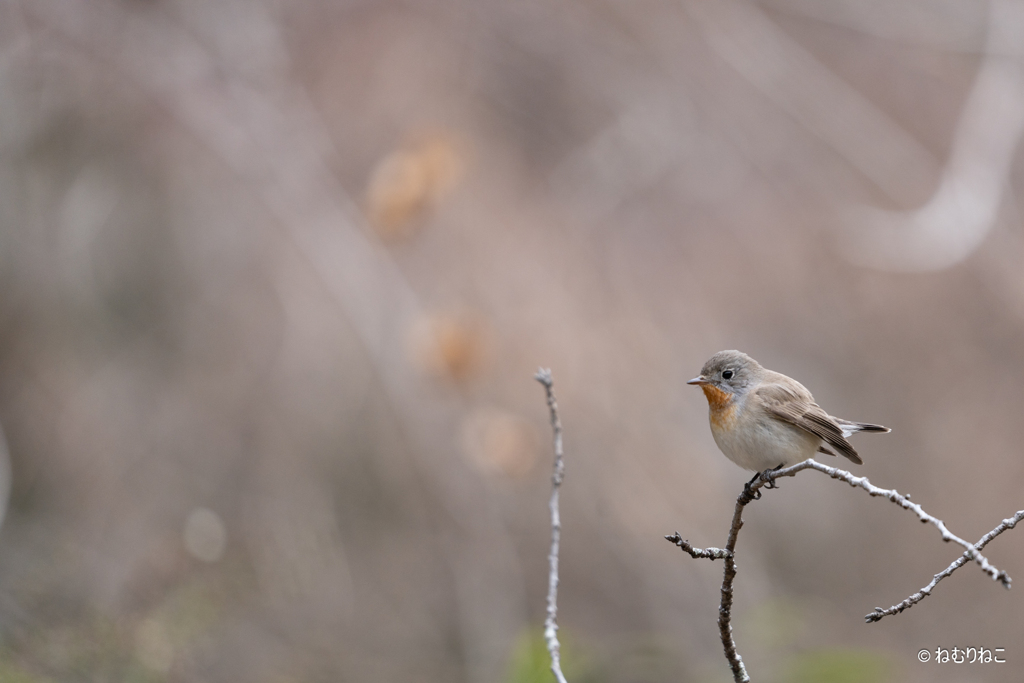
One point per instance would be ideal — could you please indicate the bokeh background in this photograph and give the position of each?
(275, 278)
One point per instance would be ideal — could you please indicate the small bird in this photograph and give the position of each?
(764, 420)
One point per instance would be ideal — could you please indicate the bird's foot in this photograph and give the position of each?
(768, 477)
(753, 495)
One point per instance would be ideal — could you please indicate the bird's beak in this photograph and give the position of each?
(698, 380)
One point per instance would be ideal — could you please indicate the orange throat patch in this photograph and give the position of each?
(720, 402)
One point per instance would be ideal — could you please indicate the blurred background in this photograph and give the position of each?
(275, 278)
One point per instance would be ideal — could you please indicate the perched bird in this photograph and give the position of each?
(764, 420)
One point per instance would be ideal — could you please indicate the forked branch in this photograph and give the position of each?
(751, 492)
(959, 562)
(739, 671)
(971, 554)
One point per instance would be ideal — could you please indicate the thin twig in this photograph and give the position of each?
(739, 672)
(750, 493)
(960, 561)
(550, 623)
(904, 502)
(697, 553)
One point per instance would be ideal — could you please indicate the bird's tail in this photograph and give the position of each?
(854, 427)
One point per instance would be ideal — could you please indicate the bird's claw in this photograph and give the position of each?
(753, 495)
(768, 477)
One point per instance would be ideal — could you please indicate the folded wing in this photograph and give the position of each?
(800, 410)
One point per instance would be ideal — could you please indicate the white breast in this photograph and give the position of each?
(758, 445)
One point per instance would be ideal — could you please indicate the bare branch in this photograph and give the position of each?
(904, 502)
(697, 553)
(550, 623)
(739, 672)
(961, 561)
(750, 493)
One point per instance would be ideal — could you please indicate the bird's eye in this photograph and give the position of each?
(727, 374)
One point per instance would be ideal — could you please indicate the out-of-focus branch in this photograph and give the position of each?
(550, 623)
(951, 225)
(750, 493)
(968, 190)
(262, 127)
(961, 561)
(813, 94)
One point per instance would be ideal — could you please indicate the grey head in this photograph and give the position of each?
(731, 371)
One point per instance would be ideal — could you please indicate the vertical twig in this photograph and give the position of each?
(550, 623)
(739, 672)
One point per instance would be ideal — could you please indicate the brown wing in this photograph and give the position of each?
(798, 408)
